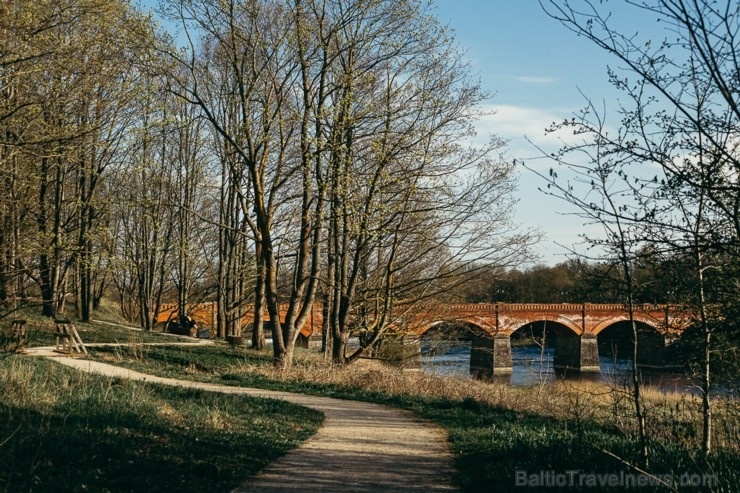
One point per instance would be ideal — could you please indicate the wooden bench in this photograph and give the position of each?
(68, 338)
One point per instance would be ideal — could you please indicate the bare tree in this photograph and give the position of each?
(678, 135)
(600, 189)
(247, 100)
(410, 208)
(189, 160)
(144, 223)
(349, 112)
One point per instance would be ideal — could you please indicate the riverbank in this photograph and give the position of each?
(533, 366)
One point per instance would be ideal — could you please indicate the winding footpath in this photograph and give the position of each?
(361, 447)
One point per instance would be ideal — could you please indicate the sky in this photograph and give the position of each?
(539, 72)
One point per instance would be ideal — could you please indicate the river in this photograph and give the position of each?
(532, 366)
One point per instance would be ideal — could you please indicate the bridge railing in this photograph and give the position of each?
(545, 307)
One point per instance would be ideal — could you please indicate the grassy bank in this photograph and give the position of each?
(65, 431)
(498, 433)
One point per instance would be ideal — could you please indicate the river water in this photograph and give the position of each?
(533, 366)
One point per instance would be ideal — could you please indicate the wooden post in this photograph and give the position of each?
(19, 335)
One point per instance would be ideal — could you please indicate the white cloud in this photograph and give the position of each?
(536, 80)
(517, 121)
(525, 128)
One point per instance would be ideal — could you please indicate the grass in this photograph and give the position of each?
(494, 430)
(65, 431)
(109, 429)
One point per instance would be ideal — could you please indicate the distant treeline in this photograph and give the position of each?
(577, 281)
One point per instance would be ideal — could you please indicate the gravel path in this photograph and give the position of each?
(361, 447)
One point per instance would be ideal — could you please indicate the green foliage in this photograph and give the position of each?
(70, 432)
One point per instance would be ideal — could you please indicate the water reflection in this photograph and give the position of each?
(534, 365)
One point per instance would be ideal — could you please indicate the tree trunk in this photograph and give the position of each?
(258, 327)
(706, 381)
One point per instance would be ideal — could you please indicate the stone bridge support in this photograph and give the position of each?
(575, 353)
(651, 349)
(490, 355)
(402, 350)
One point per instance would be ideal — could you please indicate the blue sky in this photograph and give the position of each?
(535, 68)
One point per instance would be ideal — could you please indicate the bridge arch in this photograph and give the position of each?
(616, 341)
(452, 340)
(564, 338)
(470, 323)
(639, 318)
(578, 326)
(561, 322)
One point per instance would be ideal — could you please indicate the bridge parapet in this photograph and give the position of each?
(487, 307)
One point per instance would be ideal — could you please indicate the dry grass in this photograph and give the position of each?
(169, 414)
(672, 416)
(494, 428)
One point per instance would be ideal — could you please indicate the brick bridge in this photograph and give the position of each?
(573, 330)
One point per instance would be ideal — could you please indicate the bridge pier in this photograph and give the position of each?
(312, 341)
(577, 354)
(490, 355)
(402, 350)
(651, 349)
